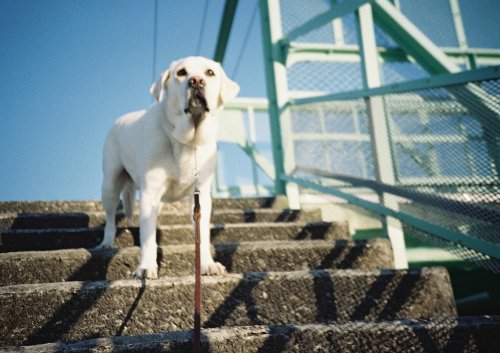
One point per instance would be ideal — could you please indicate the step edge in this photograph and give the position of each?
(180, 248)
(178, 227)
(215, 280)
(222, 334)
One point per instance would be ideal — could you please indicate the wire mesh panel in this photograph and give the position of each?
(333, 136)
(440, 135)
(438, 148)
(296, 12)
(441, 32)
(324, 76)
(445, 144)
(401, 71)
(481, 27)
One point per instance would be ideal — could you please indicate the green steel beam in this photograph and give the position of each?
(225, 30)
(350, 53)
(410, 38)
(336, 11)
(458, 24)
(467, 209)
(379, 127)
(444, 80)
(403, 31)
(430, 57)
(271, 56)
(342, 53)
(470, 96)
(482, 56)
(484, 247)
(259, 160)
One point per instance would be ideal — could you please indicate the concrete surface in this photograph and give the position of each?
(42, 313)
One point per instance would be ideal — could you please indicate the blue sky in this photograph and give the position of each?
(68, 69)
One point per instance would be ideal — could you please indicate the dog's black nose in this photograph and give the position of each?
(196, 82)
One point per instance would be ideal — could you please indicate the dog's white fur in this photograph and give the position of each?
(153, 151)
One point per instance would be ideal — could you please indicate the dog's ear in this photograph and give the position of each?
(228, 88)
(159, 85)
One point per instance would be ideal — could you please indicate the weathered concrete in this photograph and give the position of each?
(279, 202)
(97, 219)
(71, 238)
(42, 313)
(332, 310)
(178, 260)
(471, 335)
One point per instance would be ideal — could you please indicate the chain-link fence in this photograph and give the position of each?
(293, 14)
(444, 142)
(333, 136)
(445, 146)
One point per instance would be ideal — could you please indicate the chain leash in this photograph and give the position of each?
(196, 171)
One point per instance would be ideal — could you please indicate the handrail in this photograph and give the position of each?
(443, 80)
(464, 208)
(479, 245)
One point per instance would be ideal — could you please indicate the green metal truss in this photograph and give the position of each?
(281, 51)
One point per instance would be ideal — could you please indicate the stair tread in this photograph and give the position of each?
(293, 281)
(398, 336)
(178, 260)
(179, 226)
(56, 238)
(94, 205)
(42, 313)
(97, 218)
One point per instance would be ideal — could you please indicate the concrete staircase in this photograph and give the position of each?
(296, 284)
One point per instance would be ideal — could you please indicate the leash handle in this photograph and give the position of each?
(197, 273)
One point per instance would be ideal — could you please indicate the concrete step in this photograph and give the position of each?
(178, 260)
(61, 238)
(468, 334)
(43, 313)
(96, 219)
(278, 202)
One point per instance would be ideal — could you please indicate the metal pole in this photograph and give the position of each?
(277, 91)
(225, 29)
(379, 130)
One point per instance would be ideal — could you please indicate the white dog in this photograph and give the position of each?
(153, 151)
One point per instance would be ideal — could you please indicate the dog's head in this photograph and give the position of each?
(194, 89)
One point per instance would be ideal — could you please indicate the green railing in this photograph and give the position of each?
(383, 111)
(244, 123)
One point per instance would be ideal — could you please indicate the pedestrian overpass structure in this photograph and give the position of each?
(385, 105)
(374, 112)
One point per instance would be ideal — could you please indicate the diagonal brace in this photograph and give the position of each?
(336, 11)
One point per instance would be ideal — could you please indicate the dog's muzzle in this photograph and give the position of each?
(196, 103)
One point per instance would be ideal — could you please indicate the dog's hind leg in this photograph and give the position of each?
(150, 201)
(114, 181)
(128, 196)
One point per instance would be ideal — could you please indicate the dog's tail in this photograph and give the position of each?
(128, 197)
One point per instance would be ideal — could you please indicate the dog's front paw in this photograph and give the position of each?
(145, 273)
(102, 246)
(213, 269)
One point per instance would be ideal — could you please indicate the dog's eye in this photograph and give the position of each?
(210, 73)
(182, 72)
